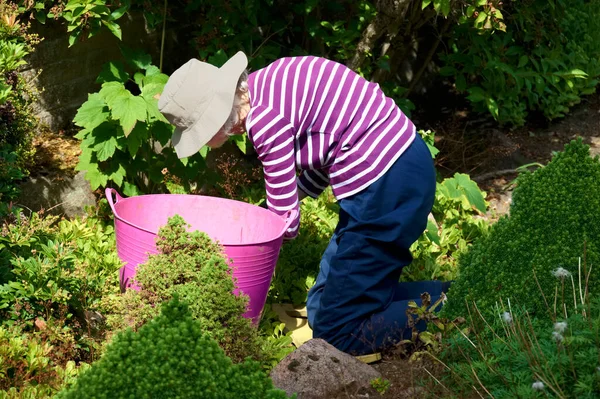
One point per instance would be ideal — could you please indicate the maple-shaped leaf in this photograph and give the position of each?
(153, 84)
(106, 149)
(130, 190)
(162, 132)
(128, 109)
(92, 112)
(153, 113)
(137, 58)
(117, 172)
(110, 91)
(113, 71)
(136, 137)
(96, 178)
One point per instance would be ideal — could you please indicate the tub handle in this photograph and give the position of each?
(109, 196)
(289, 217)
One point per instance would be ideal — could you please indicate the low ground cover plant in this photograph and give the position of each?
(512, 354)
(171, 356)
(53, 274)
(553, 220)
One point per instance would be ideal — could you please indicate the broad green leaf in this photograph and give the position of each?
(471, 190)
(432, 232)
(114, 28)
(447, 70)
(118, 174)
(162, 132)
(106, 149)
(130, 190)
(136, 137)
(482, 3)
(476, 94)
(240, 142)
(138, 77)
(137, 58)
(119, 12)
(92, 113)
(523, 61)
(110, 91)
(492, 107)
(218, 59)
(204, 151)
(129, 109)
(425, 4)
(113, 71)
(96, 177)
(153, 113)
(470, 11)
(445, 7)
(152, 70)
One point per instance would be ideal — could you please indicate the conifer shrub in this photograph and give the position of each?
(170, 357)
(554, 219)
(194, 267)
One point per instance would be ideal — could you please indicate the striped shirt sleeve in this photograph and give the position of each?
(313, 182)
(273, 138)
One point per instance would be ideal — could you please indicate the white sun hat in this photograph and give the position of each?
(198, 99)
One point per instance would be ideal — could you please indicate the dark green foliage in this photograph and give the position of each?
(545, 61)
(170, 357)
(10, 174)
(555, 214)
(194, 267)
(510, 352)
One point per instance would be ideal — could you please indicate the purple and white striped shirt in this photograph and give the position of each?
(321, 118)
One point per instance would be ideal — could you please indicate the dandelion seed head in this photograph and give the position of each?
(561, 272)
(560, 327)
(537, 386)
(507, 317)
(557, 336)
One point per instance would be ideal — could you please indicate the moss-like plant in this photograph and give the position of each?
(194, 267)
(170, 357)
(554, 219)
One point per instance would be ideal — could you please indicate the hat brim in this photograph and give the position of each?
(189, 141)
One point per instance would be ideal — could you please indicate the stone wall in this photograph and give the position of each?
(65, 75)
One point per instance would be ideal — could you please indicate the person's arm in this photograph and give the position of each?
(273, 139)
(312, 182)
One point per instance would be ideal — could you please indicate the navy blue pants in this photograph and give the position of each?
(357, 303)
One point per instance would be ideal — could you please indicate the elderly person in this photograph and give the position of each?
(319, 118)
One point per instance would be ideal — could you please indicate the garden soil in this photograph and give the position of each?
(468, 144)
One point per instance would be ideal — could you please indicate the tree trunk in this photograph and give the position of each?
(389, 18)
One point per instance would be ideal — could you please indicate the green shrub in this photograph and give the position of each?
(194, 267)
(46, 264)
(545, 61)
(17, 123)
(10, 175)
(456, 221)
(170, 356)
(124, 138)
(29, 367)
(554, 219)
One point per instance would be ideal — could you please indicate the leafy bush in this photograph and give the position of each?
(298, 263)
(553, 218)
(10, 174)
(513, 355)
(170, 356)
(17, 123)
(29, 367)
(546, 59)
(45, 265)
(194, 267)
(456, 221)
(124, 136)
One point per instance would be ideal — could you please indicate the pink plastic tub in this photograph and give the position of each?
(251, 236)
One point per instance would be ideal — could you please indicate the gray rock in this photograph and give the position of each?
(65, 195)
(318, 370)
